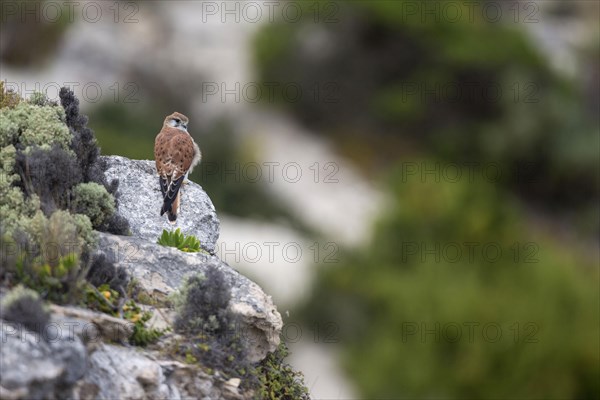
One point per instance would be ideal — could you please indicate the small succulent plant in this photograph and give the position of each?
(187, 243)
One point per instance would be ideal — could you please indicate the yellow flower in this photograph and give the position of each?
(106, 294)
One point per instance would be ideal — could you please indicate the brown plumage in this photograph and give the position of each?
(176, 154)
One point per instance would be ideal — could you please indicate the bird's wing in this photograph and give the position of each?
(161, 159)
(160, 151)
(164, 184)
(181, 154)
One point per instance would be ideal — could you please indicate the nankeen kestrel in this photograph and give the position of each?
(176, 154)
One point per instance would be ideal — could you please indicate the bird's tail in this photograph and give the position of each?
(172, 213)
(171, 199)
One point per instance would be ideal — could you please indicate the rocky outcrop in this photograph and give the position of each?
(39, 365)
(162, 270)
(71, 360)
(117, 372)
(140, 201)
(84, 354)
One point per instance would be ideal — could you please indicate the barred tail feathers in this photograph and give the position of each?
(172, 196)
(172, 213)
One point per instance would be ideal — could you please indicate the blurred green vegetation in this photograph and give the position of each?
(431, 268)
(388, 298)
(34, 31)
(470, 90)
(126, 131)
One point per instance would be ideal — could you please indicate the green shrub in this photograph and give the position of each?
(93, 200)
(46, 255)
(186, 243)
(212, 333)
(49, 163)
(23, 306)
(103, 272)
(466, 90)
(50, 174)
(277, 379)
(33, 142)
(33, 125)
(142, 335)
(8, 98)
(46, 152)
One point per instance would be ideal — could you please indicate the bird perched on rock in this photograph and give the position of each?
(176, 154)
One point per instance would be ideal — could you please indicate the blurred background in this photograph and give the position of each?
(416, 183)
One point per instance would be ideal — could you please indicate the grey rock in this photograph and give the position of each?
(140, 201)
(91, 325)
(162, 270)
(79, 363)
(118, 372)
(34, 366)
(190, 382)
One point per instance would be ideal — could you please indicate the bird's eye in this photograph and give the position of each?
(177, 120)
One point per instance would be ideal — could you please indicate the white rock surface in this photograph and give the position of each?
(140, 201)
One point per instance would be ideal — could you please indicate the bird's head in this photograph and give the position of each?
(177, 120)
